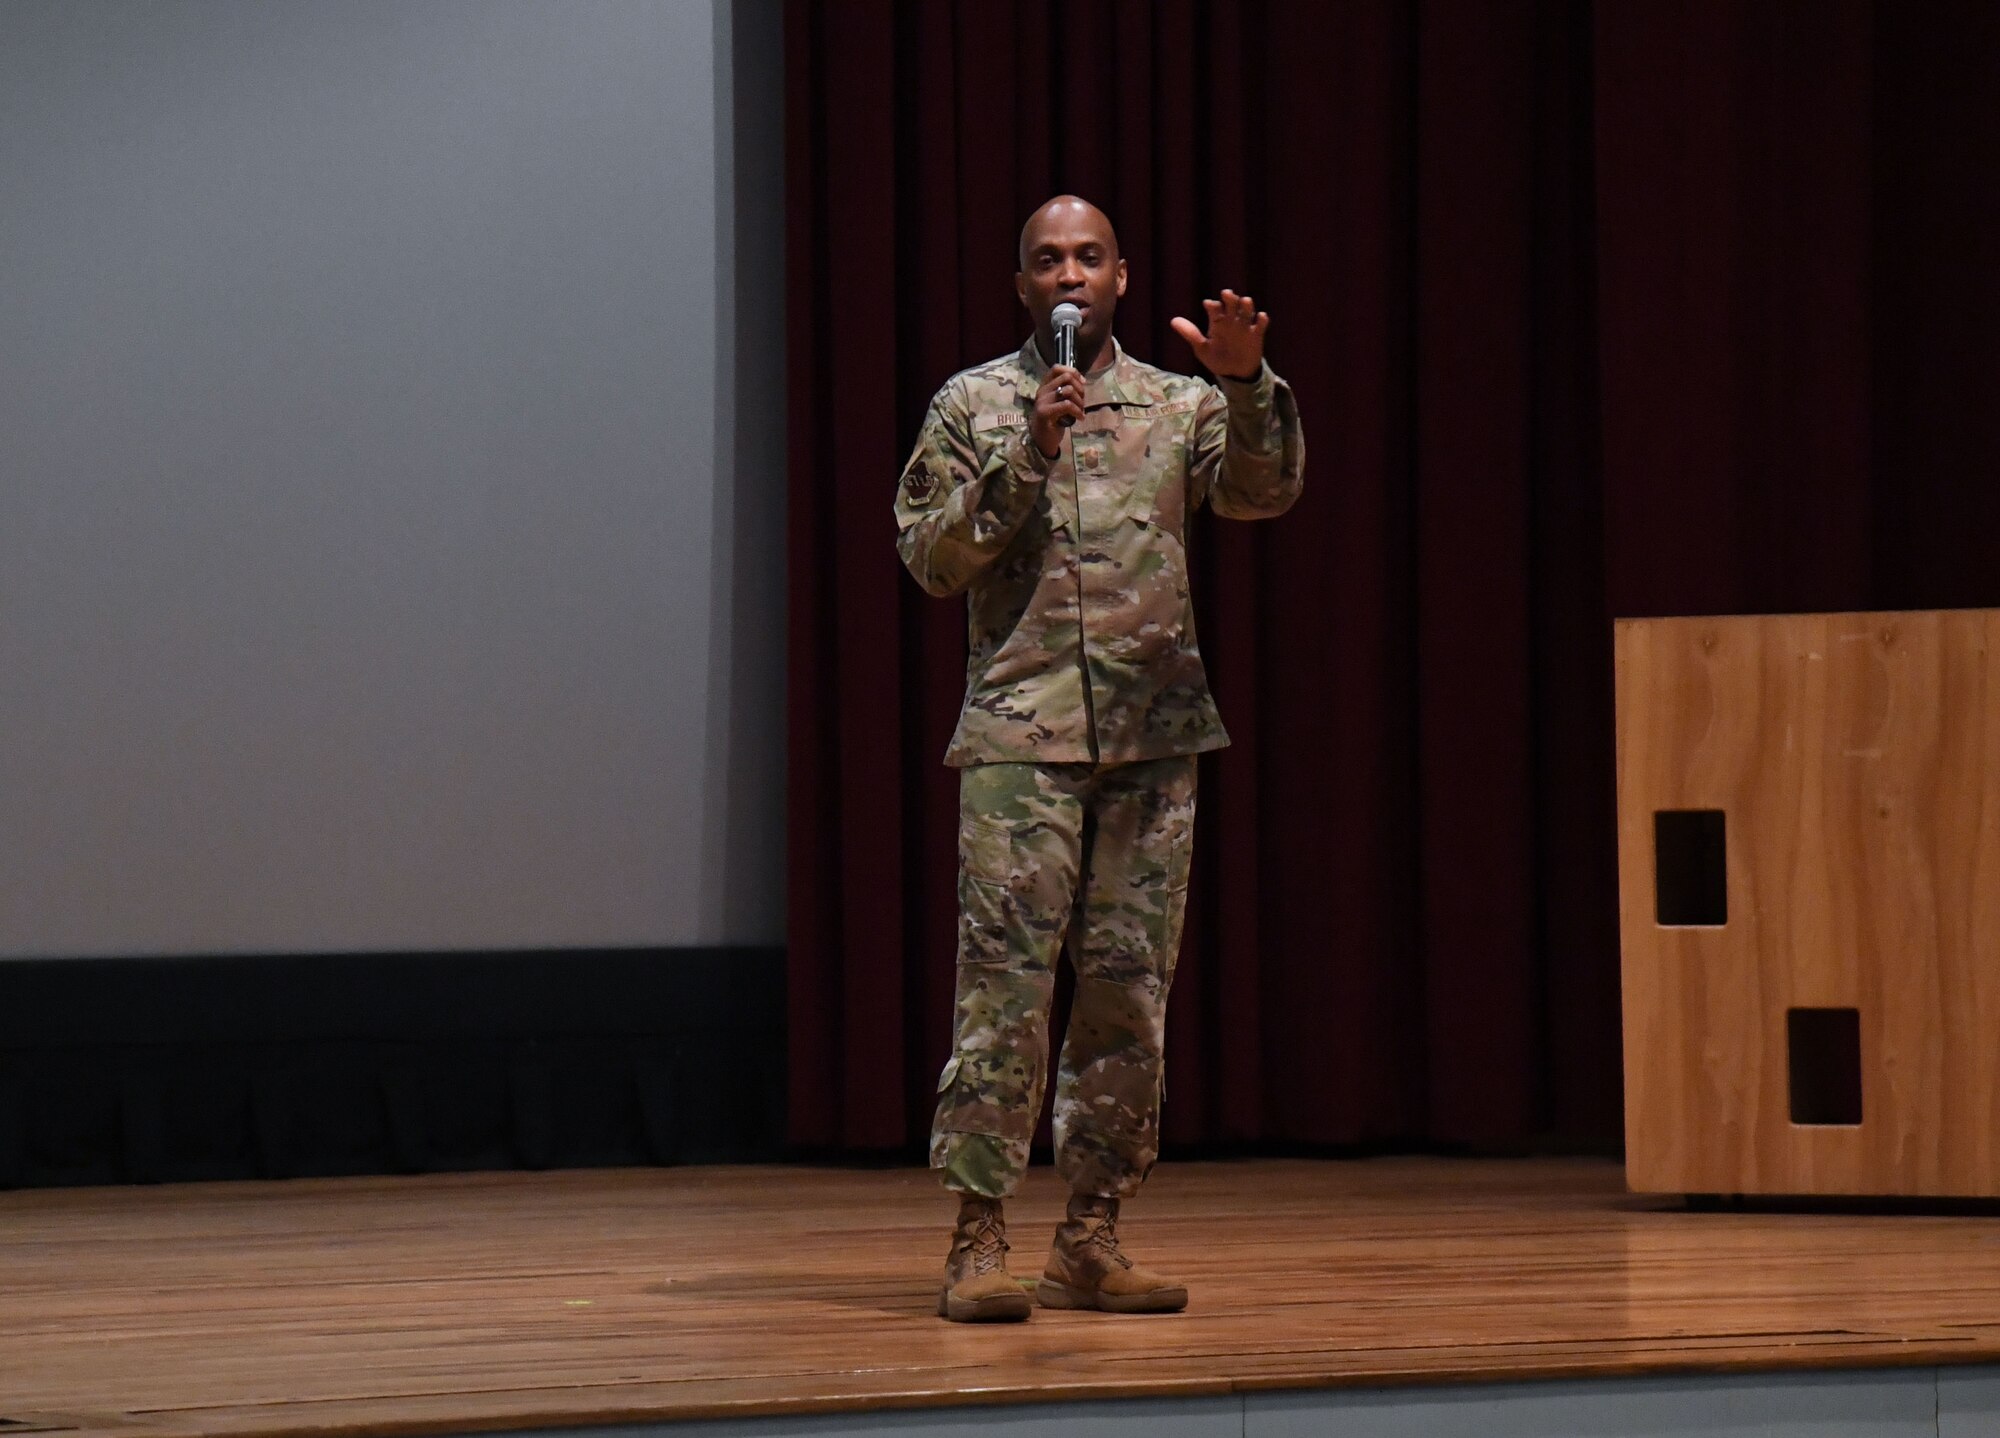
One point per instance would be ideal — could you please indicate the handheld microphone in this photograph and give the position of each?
(1066, 317)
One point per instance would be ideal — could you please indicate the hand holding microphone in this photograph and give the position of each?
(1059, 402)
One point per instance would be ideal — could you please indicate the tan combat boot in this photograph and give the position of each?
(977, 1286)
(1087, 1270)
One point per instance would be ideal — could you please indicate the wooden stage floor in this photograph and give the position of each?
(513, 1300)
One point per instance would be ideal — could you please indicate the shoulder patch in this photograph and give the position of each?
(919, 485)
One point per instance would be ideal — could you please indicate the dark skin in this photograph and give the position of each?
(1069, 254)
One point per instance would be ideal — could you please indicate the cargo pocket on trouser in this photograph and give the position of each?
(987, 908)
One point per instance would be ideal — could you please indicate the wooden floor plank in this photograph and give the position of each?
(515, 1300)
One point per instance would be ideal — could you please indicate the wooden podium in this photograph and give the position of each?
(1809, 885)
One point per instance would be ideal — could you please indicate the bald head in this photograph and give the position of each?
(1069, 255)
(1067, 214)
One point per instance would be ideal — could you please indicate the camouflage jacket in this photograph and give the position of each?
(1075, 570)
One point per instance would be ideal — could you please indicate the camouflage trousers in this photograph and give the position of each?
(1095, 855)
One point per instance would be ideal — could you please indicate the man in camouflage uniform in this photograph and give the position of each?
(1057, 501)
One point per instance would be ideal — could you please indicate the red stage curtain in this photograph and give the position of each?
(1591, 310)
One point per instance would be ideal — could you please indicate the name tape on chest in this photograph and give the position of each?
(1014, 419)
(998, 419)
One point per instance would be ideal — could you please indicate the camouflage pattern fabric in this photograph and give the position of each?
(1075, 570)
(1096, 855)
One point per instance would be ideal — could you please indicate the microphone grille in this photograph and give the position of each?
(1066, 316)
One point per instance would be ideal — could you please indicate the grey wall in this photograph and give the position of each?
(390, 475)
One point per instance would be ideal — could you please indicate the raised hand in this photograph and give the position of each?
(1234, 345)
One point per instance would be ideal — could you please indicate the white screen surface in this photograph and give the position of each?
(369, 482)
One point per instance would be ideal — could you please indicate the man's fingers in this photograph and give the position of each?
(1231, 313)
(1060, 386)
(1061, 395)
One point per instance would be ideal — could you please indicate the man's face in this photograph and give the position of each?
(1070, 255)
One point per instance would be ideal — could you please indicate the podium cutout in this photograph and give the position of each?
(1809, 889)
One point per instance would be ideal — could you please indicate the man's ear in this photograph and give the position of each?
(1021, 288)
(1121, 279)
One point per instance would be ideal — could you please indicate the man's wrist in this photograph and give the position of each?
(1039, 462)
(1245, 385)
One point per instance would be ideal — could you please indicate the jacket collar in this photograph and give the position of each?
(1120, 382)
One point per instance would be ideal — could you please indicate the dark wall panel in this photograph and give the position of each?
(272, 1066)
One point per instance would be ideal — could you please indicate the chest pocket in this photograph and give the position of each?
(1160, 435)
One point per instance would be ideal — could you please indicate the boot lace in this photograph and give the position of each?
(1101, 1239)
(984, 1242)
